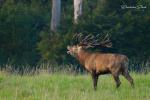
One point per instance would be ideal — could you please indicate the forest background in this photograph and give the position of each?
(26, 38)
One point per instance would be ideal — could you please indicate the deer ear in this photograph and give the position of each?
(68, 47)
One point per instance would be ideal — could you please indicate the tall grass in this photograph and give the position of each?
(49, 81)
(71, 87)
(48, 67)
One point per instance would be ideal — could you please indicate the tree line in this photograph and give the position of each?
(30, 32)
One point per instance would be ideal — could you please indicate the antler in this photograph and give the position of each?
(106, 41)
(90, 41)
(78, 37)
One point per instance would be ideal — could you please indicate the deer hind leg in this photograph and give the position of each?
(117, 80)
(95, 79)
(128, 77)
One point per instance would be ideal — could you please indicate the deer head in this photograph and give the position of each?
(89, 41)
(74, 50)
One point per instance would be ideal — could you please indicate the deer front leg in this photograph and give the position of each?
(95, 79)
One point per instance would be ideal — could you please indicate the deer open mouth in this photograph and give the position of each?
(68, 49)
(68, 52)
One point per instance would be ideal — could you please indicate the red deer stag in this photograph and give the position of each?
(98, 63)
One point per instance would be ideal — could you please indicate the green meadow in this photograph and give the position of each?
(71, 87)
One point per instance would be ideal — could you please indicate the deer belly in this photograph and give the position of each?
(102, 70)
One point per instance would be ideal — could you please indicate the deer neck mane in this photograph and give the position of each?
(82, 56)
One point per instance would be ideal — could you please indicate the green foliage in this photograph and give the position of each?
(25, 35)
(20, 24)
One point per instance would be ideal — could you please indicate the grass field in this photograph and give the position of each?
(71, 87)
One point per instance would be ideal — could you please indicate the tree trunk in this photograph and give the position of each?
(56, 10)
(77, 10)
(1, 3)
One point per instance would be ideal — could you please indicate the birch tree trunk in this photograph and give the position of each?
(56, 10)
(1, 3)
(77, 10)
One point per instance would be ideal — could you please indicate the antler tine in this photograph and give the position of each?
(85, 39)
(95, 41)
(90, 38)
(97, 36)
(107, 37)
(106, 41)
(81, 40)
(75, 36)
(102, 41)
(92, 41)
(80, 35)
(102, 37)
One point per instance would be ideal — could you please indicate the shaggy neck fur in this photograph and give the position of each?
(82, 55)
